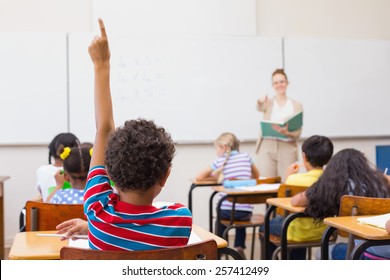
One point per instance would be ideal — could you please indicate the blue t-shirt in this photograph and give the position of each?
(68, 196)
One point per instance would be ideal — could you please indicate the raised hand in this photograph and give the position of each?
(99, 50)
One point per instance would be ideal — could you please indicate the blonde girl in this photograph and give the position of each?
(231, 164)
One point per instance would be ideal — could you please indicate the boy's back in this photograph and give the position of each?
(117, 225)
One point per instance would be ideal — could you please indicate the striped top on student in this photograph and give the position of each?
(137, 157)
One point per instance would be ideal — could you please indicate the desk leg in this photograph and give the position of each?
(1, 221)
(359, 249)
(325, 242)
(283, 235)
(211, 211)
(230, 252)
(218, 218)
(266, 241)
(193, 186)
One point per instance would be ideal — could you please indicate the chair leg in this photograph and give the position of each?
(253, 243)
(275, 253)
(308, 253)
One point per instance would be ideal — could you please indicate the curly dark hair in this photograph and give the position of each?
(348, 172)
(139, 155)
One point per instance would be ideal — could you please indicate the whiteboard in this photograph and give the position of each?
(343, 85)
(33, 87)
(222, 17)
(195, 87)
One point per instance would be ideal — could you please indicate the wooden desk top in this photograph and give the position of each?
(207, 182)
(351, 225)
(29, 246)
(285, 203)
(205, 234)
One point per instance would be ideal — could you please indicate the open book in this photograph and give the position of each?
(377, 221)
(294, 123)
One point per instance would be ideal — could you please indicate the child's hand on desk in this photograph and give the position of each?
(73, 227)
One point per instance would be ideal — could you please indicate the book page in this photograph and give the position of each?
(79, 243)
(377, 221)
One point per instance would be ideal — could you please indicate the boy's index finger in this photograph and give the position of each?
(102, 28)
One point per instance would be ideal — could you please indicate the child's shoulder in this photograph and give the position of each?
(48, 168)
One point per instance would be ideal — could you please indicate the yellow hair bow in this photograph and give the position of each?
(65, 153)
(90, 151)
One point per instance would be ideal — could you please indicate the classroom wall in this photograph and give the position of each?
(356, 19)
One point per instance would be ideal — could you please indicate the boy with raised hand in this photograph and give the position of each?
(137, 157)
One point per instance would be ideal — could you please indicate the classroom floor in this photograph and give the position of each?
(258, 246)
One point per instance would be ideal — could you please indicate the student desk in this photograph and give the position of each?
(234, 194)
(284, 203)
(29, 246)
(212, 183)
(372, 236)
(2, 180)
(196, 184)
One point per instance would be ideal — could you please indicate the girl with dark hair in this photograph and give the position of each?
(45, 173)
(76, 166)
(347, 173)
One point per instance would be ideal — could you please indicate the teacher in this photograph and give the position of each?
(275, 155)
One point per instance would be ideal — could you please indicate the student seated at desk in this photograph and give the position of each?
(347, 173)
(46, 173)
(76, 165)
(138, 158)
(316, 153)
(231, 164)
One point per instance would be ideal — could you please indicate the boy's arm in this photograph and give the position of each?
(100, 55)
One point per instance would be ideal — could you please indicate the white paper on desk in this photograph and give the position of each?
(261, 187)
(377, 221)
(83, 243)
(194, 238)
(79, 243)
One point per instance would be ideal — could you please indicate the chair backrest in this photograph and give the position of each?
(46, 216)
(288, 191)
(351, 205)
(205, 250)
